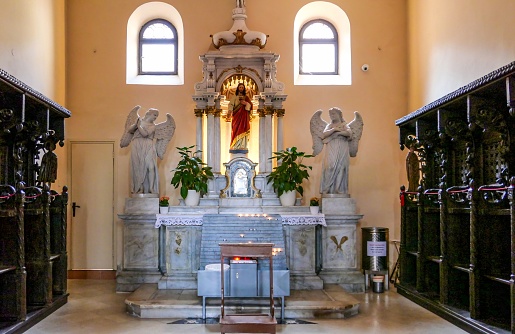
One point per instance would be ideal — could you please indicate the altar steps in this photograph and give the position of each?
(332, 302)
(232, 228)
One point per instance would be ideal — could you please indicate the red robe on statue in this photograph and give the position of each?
(240, 125)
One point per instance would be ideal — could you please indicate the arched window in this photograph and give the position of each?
(318, 48)
(321, 45)
(155, 45)
(158, 48)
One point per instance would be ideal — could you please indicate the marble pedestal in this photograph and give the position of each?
(338, 244)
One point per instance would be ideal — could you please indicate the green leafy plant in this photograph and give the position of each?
(290, 171)
(191, 173)
(314, 201)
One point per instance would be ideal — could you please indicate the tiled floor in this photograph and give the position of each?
(95, 307)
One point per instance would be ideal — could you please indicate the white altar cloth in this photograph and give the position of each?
(318, 219)
(197, 220)
(178, 220)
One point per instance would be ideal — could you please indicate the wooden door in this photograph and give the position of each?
(91, 193)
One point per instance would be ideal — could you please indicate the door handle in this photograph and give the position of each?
(74, 206)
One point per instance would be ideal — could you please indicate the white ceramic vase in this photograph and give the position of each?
(288, 198)
(163, 210)
(193, 198)
(313, 210)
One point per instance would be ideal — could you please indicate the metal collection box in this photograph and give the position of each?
(243, 278)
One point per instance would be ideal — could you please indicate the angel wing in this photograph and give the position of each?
(317, 126)
(164, 133)
(356, 127)
(131, 120)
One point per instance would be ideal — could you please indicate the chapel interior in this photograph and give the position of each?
(432, 81)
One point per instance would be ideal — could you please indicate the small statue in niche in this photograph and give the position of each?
(341, 141)
(412, 163)
(240, 108)
(142, 132)
(48, 170)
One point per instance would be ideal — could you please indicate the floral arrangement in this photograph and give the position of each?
(314, 201)
(163, 201)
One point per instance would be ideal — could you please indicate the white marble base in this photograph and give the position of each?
(129, 281)
(178, 282)
(350, 280)
(338, 205)
(306, 282)
(142, 205)
(239, 202)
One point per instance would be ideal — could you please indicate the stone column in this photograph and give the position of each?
(217, 144)
(262, 141)
(213, 149)
(280, 134)
(269, 112)
(210, 145)
(199, 114)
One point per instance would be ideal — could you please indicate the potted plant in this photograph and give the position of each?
(287, 177)
(163, 204)
(191, 175)
(314, 204)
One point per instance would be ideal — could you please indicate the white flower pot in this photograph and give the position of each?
(163, 210)
(193, 198)
(313, 210)
(288, 198)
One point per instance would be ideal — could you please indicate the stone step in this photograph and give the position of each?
(331, 302)
(237, 229)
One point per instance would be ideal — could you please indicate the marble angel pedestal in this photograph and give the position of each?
(140, 263)
(338, 243)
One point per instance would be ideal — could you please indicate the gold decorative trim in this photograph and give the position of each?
(280, 112)
(240, 40)
(239, 70)
(199, 112)
(261, 112)
(223, 192)
(210, 110)
(269, 110)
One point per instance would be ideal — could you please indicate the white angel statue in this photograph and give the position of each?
(142, 132)
(341, 141)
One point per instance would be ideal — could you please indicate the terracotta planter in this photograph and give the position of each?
(288, 198)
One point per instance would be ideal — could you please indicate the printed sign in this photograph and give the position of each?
(376, 248)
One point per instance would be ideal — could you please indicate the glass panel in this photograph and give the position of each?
(157, 58)
(318, 30)
(158, 30)
(318, 58)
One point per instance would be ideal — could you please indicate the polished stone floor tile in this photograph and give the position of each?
(95, 307)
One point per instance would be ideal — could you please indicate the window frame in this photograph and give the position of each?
(158, 41)
(319, 41)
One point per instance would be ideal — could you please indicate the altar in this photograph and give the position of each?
(166, 248)
(239, 205)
